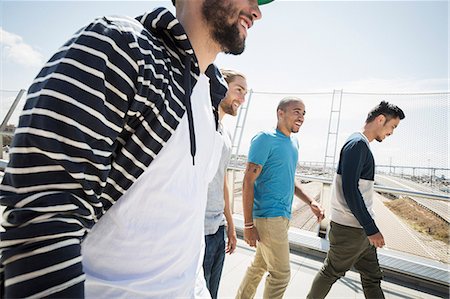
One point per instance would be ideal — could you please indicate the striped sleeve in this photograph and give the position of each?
(60, 160)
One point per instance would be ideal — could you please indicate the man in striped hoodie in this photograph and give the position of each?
(118, 130)
(354, 236)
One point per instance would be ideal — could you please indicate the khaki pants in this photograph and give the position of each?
(349, 247)
(272, 255)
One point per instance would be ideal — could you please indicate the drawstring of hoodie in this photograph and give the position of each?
(187, 101)
(217, 90)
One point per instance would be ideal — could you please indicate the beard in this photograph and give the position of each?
(216, 15)
(295, 130)
(228, 108)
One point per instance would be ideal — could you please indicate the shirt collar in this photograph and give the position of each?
(365, 138)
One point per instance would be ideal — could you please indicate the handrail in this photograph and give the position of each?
(379, 188)
(412, 193)
(3, 164)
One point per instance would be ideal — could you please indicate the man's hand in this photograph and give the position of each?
(317, 210)
(231, 244)
(251, 236)
(376, 240)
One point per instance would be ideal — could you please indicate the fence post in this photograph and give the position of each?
(7, 117)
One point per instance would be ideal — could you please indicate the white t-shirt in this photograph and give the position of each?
(150, 243)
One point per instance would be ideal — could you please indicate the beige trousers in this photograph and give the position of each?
(272, 255)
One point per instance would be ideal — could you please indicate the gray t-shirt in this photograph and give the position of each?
(214, 216)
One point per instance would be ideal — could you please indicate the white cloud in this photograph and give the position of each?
(15, 50)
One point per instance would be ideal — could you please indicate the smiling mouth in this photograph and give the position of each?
(246, 24)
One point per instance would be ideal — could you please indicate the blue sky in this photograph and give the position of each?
(304, 45)
(298, 46)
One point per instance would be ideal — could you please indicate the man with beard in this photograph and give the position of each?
(105, 190)
(268, 189)
(354, 236)
(218, 204)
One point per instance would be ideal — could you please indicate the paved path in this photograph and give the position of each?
(440, 207)
(303, 270)
(397, 234)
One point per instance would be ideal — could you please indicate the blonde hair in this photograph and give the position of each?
(230, 75)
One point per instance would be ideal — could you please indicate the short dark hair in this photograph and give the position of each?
(285, 102)
(388, 110)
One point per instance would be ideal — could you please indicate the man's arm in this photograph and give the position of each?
(315, 207)
(231, 231)
(251, 174)
(353, 158)
(60, 161)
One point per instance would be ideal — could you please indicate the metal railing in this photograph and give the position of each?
(399, 264)
(7, 118)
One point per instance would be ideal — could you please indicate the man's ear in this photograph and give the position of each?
(381, 119)
(280, 113)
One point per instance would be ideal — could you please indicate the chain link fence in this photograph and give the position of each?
(415, 157)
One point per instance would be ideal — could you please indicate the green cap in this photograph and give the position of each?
(260, 2)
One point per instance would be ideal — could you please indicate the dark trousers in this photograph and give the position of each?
(349, 247)
(213, 261)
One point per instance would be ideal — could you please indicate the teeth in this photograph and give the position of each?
(243, 23)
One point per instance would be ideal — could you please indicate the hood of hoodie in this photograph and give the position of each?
(163, 25)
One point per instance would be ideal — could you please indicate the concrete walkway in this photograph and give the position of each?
(303, 270)
(398, 235)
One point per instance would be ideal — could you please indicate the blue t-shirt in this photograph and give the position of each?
(274, 187)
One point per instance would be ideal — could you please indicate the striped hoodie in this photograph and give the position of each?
(95, 117)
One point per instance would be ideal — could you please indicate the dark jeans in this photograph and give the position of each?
(213, 261)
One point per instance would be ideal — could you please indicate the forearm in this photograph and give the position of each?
(59, 164)
(357, 206)
(227, 205)
(229, 218)
(252, 172)
(41, 252)
(299, 192)
(354, 160)
(365, 220)
(247, 201)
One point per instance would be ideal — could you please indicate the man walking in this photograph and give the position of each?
(218, 204)
(354, 236)
(268, 189)
(105, 190)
